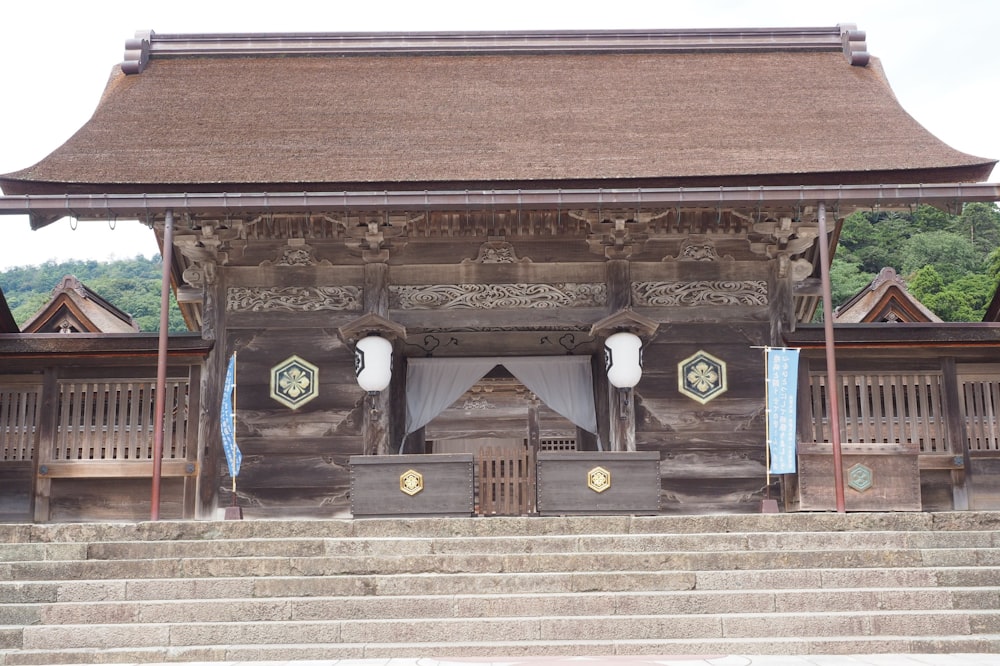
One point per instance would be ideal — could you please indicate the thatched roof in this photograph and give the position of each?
(884, 300)
(475, 117)
(75, 308)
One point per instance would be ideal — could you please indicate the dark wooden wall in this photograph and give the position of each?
(712, 455)
(294, 460)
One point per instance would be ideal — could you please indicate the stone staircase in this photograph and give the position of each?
(300, 590)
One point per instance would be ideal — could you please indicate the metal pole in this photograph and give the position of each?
(161, 362)
(832, 385)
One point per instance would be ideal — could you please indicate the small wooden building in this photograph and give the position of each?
(497, 205)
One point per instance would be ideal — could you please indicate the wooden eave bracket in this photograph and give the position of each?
(625, 320)
(368, 324)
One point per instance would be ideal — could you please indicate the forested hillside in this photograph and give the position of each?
(132, 285)
(951, 263)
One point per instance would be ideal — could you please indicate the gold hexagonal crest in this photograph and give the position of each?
(701, 377)
(294, 382)
(598, 479)
(411, 482)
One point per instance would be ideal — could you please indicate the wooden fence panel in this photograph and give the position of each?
(507, 481)
(113, 420)
(884, 409)
(981, 398)
(18, 420)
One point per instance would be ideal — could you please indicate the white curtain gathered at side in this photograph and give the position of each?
(564, 383)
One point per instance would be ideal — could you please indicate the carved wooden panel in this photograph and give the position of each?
(293, 299)
(497, 296)
(701, 292)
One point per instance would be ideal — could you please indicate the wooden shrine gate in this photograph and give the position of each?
(506, 481)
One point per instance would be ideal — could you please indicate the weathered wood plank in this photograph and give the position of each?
(895, 484)
(16, 485)
(108, 469)
(77, 499)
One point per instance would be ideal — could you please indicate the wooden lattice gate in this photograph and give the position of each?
(506, 481)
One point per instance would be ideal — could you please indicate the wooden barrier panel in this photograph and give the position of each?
(18, 419)
(506, 481)
(432, 484)
(598, 482)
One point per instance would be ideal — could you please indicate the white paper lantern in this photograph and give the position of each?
(623, 359)
(373, 363)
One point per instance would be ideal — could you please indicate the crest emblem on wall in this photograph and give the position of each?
(701, 377)
(294, 382)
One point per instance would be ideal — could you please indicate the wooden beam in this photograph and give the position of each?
(106, 469)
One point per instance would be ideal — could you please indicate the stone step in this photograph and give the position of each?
(416, 631)
(483, 563)
(292, 590)
(501, 526)
(325, 652)
(315, 547)
(509, 583)
(496, 605)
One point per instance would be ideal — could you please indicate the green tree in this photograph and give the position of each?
(980, 223)
(964, 299)
(951, 255)
(132, 285)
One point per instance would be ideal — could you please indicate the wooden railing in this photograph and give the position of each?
(507, 481)
(883, 408)
(980, 395)
(97, 427)
(113, 420)
(18, 418)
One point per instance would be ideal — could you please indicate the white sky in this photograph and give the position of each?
(941, 57)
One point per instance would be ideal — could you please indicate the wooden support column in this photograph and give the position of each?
(190, 503)
(212, 379)
(534, 427)
(47, 433)
(621, 427)
(958, 438)
(375, 428)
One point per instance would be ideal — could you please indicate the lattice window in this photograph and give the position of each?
(114, 420)
(18, 420)
(885, 408)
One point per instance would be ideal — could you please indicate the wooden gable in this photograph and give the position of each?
(74, 308)
(7, 323)
(884, 300)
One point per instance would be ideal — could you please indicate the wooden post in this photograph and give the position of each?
(47, 432)
(958, 438)
(831, 362)
(190, 498)
(621, 402)
(212, 380)
(375, 427)
(159, 409)
(534, 428)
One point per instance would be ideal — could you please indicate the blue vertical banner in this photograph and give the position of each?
(782, 390)
(227, 421)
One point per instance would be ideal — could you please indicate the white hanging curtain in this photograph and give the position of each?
(432, 384)
(564, 383)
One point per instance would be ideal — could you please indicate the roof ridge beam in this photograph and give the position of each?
(148, 45)
(46, 208)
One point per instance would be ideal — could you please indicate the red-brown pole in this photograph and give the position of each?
(161, 361)
(832, 385)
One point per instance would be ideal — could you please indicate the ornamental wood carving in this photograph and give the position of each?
(296, 255)
(497, 296)
(701, 292)
(698, 248)
(497, 252)
(293, 299)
